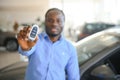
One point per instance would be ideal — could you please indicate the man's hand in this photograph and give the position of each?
(23, 40)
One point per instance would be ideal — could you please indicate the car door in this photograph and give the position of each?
(104, 66)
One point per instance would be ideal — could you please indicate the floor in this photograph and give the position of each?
(7, 58)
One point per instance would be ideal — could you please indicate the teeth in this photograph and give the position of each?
(54, 30)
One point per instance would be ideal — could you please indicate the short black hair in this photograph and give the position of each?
(56, 9)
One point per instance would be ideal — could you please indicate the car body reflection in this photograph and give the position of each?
(98, 50)
(14, 71)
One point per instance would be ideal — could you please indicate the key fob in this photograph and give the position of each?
(33, 33)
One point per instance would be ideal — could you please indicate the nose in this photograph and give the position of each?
(54, 23)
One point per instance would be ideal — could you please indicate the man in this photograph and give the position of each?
(50, 56)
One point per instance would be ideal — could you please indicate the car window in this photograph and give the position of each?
(91, 46)
(95, 27)
(92, 28)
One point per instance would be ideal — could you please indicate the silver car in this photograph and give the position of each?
(99, 55)
(15, 71)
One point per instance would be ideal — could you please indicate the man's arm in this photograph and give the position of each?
(72, 68)
(28, 52)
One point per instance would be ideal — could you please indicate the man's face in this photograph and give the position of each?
(54, 23)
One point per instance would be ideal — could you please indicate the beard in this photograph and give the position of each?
(54, 34)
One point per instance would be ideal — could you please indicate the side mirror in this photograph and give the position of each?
(103, 72)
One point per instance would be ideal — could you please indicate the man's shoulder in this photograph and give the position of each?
(70, 47)
(69, 43)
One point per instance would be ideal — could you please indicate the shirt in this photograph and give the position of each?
(51, 61)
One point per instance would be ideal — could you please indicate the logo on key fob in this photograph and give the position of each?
(33, 33)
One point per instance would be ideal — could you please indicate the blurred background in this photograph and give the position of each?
(78, 12)
(94, 15)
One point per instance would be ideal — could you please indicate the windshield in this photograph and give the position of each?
(89, 47)
(95, 27)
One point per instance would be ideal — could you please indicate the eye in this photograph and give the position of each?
(59, 21)
(50, 21)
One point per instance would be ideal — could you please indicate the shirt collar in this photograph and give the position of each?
(45, 35)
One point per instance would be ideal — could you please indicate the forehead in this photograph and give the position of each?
(54, 13)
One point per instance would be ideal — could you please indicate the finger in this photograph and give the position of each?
(28, 26)
(28, 29)
(27, 32)
(24, 31)
(25, 28)
(36, 39)
(19, 37)
(21, 33)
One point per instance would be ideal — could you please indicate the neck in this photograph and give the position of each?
(54, 39)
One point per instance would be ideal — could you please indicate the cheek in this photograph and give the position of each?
(61, 28)
(47, 28)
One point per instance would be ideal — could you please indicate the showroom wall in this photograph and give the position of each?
(21, 11)
(77, 11)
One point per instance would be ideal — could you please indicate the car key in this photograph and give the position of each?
(33, 32)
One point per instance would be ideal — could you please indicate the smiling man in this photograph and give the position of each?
(50, 55)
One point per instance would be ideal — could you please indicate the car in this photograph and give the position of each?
(15, 71)
(90, 28)
(8, 40)
(99, 55)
